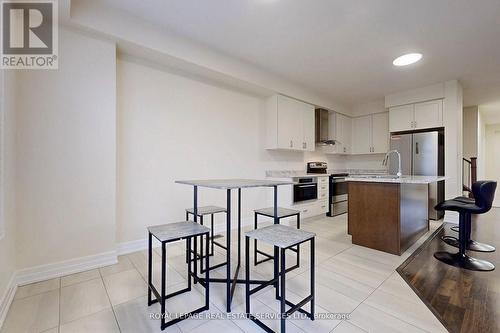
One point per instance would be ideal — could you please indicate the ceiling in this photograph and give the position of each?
(343, 49)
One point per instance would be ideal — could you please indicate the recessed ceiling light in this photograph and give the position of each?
(407, 59)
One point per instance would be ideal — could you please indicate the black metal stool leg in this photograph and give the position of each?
(276, 271)
(201, 248)
(195, 259)
(313, 268)
(188, 246)
(188, 250)
(283, 293)
(255, 241)
(150, 267)
(212, 234)
(298, 246)
(163, 299)
(247, 276)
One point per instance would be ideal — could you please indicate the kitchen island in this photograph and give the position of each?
(388, 213)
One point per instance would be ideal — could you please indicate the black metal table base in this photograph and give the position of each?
(279, 283)
(231, 279)
(162, 296)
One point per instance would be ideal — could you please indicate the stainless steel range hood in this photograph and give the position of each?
(322, 129)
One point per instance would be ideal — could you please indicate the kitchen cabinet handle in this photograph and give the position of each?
(291, 143)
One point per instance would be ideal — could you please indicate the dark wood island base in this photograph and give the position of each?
(388, 217)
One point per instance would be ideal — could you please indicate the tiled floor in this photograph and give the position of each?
(349, 280)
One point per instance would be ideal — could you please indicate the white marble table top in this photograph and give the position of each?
(394, 179)
(234, 183)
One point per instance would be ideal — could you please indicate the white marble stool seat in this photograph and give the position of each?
(176, 231)
(281, 236)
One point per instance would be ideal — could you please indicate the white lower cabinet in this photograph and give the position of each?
(313, 208)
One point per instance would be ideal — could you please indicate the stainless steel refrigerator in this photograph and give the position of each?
(422, 154)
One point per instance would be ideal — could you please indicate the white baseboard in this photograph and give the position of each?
(62, 268)
(132, 246)
(7, 298)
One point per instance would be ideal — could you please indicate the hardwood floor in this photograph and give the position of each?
(464, 301)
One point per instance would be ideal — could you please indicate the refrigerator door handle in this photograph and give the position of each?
(416, 148)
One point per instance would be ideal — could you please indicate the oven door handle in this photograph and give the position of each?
(311, 185)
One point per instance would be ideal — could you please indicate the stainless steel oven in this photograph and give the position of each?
(306, 189)
(338, 195)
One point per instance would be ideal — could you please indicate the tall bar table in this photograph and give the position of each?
(228, 185)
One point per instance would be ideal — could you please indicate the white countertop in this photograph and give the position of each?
(402, 180)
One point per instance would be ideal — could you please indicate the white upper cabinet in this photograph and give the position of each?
(428, 114)
(380, 132)
(308, 125)
(339, 129)
(362, 135)
(401, 118)
(346, 134)
(416, 116)
(290, 124)
(370, 134)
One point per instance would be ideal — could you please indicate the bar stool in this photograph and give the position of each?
(203, 211)
(472, 245)
(165, 234)
(484, 193)
(282, 238)
(282, 213)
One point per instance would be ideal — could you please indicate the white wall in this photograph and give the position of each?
(492, 152)
(453, 126)
(470, 132)
(66, 154)
(173, 127)
(8, 242)
(481, 145)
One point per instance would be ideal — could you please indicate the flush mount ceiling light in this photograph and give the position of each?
(407, 59)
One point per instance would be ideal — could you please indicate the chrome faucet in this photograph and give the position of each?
(384, 162)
